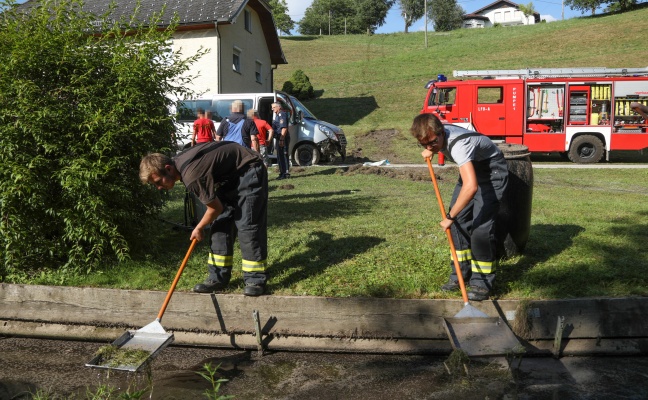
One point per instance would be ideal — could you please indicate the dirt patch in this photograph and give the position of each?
(380, 143)
(411, 174)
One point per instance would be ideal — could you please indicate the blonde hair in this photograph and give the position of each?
(153, 163)
(252, 113)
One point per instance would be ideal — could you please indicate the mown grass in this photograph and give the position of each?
(341, 234)
(367, 83)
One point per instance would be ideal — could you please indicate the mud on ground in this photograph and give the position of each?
(58, 368)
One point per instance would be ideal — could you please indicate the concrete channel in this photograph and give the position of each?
(323, 348)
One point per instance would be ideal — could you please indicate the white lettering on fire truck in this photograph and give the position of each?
(483, 108)
(514, 102)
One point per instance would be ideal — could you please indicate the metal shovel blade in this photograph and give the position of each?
(152, 338)
(479, 336)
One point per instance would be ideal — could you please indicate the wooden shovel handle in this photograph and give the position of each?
(453, 251)
(175, 281)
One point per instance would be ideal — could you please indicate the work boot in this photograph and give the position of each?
(253, 290)
(451, 286)
(478, 293)
(209, 287)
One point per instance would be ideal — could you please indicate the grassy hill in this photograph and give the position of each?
(372, 86)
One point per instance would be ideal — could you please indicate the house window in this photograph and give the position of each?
(258, 75)
(248, 20)
(236, 60)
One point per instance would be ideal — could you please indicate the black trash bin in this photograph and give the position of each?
(514, 218)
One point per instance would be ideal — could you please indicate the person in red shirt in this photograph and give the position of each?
(203, 129)
(264, 136)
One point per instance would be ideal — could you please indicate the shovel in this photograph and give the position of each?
(145, 342)
(471, 330)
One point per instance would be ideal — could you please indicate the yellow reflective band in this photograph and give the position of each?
(482, 267)
(220, 261)
(463, 255)
(254, 266)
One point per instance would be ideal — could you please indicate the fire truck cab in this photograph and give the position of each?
(582, 113)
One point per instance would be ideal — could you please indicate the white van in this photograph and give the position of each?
(311, 140)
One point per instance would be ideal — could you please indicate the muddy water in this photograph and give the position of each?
(57, 367)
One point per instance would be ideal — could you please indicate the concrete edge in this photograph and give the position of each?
(364, 325)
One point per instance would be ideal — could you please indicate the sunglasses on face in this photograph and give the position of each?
(431, 143)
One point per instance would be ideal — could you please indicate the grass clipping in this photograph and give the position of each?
(113, 356)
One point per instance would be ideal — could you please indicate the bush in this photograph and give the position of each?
(77, 113)
(299, 86)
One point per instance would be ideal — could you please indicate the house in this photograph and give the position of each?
(241, 35)
(503, 12)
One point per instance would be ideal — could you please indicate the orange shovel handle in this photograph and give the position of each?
(175, 281)
(453, 251)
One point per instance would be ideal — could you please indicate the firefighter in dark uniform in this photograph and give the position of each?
(232, 182)
(483, 177)
(282, 139)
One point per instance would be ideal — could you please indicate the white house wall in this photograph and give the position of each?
(253, 49)
(253, 53)
(509, 16)
(188, 43)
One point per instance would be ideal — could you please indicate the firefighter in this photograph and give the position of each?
(232, 182)
(483, 176)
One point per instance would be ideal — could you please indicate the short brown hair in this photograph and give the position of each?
(421, 124)
(153, 163)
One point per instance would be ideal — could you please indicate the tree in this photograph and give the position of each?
(326, 17)
(527, 9)
(411, 11)
(77, 112)
(371, 14)
(585, 5)
(336, 17)
(299, 86)
(283, 22)
(446, 15)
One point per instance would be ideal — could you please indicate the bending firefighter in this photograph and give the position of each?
(483, 176)
(232, 182)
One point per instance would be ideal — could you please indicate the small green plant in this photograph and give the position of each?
(210, 375)
(299, 86)
(113, 356)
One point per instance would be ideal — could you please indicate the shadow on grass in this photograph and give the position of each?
(323, 251)
(610, 264)
(545, 241)
(342, 111)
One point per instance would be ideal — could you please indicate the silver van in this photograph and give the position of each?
(311, 141)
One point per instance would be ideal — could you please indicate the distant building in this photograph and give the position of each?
(503, 12)
(241, 35)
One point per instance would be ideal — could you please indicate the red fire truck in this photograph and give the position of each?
(583, 113)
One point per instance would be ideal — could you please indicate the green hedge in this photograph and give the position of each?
(78, 110)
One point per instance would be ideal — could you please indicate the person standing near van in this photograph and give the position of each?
(483, 177)
(237, 128)
(232, 182)
(282, 139)
(264, 136)
(203, 129)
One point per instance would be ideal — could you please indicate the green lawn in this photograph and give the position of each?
(364, 233)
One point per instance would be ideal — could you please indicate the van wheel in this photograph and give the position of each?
(586, 149)
(306, 154)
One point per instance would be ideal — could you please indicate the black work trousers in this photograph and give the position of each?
(283, 158)
(474, 229)
(245, 214)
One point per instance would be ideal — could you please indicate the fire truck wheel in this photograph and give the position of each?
(306, 154)
(586, 149)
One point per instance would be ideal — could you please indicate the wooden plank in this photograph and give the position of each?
(347, 318)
